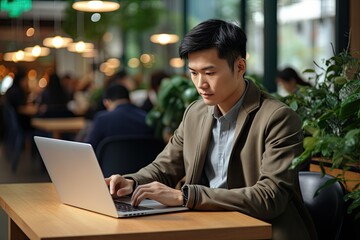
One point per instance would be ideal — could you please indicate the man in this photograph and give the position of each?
(234, 146)
(120, 117)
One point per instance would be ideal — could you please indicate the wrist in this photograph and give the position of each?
(132, 183)
(185, 194)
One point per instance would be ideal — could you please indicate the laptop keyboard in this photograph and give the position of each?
(125, 207)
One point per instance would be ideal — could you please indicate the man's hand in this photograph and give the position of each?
(119, 186)
(159, 192)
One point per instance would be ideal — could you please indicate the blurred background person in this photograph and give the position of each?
(68, 83)
(53, 100)
(288, 81)
(18, 98)
(18, 110)
(80, 101)
(96, 96)
(146, 98)
(121, 117)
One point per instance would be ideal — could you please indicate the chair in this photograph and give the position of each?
(328, 208)
(14, 136)
(127, 154)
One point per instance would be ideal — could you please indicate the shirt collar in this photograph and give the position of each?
(231, 116)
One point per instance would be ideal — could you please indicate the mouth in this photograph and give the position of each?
(206, 95)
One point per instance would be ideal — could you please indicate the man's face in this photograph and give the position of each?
(214, 80)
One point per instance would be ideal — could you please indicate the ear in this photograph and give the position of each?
(240, 65)
(106, 103)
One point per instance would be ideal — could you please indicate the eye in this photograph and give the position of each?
(193, 73)
(210, 73)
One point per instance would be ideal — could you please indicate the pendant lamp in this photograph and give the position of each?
(57, 41)
(164, 38)
(96, 5)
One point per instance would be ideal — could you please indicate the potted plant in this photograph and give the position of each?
(174, 95)
(330, 111)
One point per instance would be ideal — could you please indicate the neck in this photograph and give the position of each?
(233, 98)
(116, 103)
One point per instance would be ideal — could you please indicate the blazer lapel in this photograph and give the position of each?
(251, 102)
(202, 146)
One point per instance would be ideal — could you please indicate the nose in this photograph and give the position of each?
(201, 83)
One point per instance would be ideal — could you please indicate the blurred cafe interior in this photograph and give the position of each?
(84, 45)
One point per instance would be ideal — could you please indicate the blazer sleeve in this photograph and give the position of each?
(168, 167)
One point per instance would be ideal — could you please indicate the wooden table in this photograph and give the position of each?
(35, 212)
(58, 126)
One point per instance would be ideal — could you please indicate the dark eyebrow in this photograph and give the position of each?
(204, 68)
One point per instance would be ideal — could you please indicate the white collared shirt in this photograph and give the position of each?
(221, 145)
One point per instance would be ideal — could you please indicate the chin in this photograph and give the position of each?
(209, 102)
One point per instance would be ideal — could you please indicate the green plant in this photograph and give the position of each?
(175, 94)
(330, 111)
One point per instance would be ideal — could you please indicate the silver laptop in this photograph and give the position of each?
(78, 179)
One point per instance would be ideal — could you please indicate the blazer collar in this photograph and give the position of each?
(251, 102)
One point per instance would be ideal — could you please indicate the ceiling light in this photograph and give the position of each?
(164, 38)
(177, 62)
(80, 47)
(96, 6)
(38, 51)
(57, 42)
(18, 56)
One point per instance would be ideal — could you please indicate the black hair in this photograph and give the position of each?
(19, 76)
(228, 38)
(289, 73)
(56, 90)
(115, 92)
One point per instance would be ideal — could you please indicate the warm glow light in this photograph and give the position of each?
(18, 56)
(42, 82)
(8, 56)
(80, 47)
(37, 51)
(113, 62)
(133, 63)
(32, 74)
(164, 38)
(107, 69)
(145, 58)
(177, 63)
(57, 42)
(103, 67)
(96, 6)
(30, 32)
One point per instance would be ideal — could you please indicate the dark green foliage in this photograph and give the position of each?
(174, 96)
(330, 111)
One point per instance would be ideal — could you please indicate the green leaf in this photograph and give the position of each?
(350, 106)
(327, 184)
